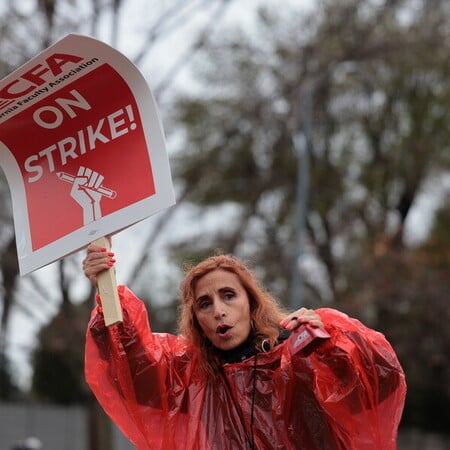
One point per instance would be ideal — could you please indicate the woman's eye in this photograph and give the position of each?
(204, 304)
(229, 295)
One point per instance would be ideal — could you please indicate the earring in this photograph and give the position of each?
(265, 345)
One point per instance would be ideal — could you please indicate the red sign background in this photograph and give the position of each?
(51, 210)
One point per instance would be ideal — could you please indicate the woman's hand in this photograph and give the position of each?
(302, 316)
(97, 259)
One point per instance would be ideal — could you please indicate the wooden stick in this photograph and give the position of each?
(107, 288)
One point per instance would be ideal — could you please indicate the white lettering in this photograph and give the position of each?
(70, 151)
(30, 168)
(78, 100)
(58, 117)
(57, 155)
(47, 152)
(81, 141)
(115, 124)
(93, 136)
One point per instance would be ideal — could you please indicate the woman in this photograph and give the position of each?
(239, 375)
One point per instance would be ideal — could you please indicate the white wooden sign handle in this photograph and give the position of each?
(107, 288)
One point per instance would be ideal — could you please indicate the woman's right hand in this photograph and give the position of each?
(97, 259)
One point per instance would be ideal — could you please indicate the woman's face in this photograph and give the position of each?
(222, 308)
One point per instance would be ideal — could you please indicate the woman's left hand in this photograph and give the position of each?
(300, 317)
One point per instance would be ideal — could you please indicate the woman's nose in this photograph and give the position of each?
(219, 312)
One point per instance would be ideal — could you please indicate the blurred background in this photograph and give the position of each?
(309, 138)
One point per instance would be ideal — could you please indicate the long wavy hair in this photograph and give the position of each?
(265, 312)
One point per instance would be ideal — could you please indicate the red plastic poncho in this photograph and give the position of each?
(346, 393)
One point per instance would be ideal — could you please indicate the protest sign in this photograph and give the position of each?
(82, 148)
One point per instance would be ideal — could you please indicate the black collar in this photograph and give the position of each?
(247, 349)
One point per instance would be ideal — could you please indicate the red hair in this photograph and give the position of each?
(265, 311)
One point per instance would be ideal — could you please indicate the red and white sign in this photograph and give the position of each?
(82, 147)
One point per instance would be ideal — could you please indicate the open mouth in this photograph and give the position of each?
(222, 329)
